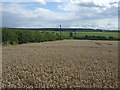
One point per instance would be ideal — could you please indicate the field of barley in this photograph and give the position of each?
(61, 64)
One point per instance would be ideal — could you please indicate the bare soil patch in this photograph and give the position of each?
(61, 64)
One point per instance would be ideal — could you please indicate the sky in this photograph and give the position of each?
(96, 14)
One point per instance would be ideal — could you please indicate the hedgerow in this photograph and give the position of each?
(10, 36)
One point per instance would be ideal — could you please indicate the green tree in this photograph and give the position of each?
(71, 34)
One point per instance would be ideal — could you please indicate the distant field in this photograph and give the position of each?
(82, 34)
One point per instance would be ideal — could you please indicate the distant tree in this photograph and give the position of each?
(111, 38)
(86, 37)
(75, 34)
(71, 34)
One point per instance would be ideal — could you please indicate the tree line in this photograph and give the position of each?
(10, 36)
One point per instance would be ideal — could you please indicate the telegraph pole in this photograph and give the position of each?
(60, 30)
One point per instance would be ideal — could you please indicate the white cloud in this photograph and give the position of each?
(76, 14)
(43, 2)
(96, 2)
(58, 0)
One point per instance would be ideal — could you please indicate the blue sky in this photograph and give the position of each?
(49, 5)
(96, 14)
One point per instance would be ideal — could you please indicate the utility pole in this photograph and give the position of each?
(60, 30)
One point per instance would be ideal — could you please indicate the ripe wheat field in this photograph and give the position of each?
(61, 64)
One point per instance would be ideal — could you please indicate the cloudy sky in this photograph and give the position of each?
(97, 14)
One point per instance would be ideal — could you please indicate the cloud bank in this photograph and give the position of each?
(75, 13)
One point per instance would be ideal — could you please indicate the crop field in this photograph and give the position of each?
(82, 34)
(61, 64)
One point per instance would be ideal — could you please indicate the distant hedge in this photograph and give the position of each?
(10, 36)
(96, 38)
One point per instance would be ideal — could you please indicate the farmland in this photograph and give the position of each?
(19, 36)
(59, 44)
(83, 34)
(61, 64)
(54, 59)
